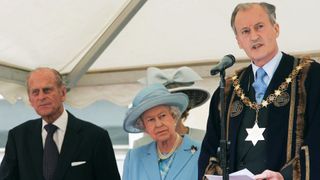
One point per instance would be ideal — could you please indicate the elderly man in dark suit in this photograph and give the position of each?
(58, 145)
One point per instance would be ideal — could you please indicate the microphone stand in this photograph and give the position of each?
(227, 61)
(224, 144)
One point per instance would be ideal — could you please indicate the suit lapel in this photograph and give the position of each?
(235, 122)
(69, 146)
(35, 147)
(182, 157)
(278, 116)
(282, 72)
(150, 162)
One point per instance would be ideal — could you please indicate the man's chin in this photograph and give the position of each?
(44, 113)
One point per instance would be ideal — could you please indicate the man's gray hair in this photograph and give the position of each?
(58, 76)
(269, 8)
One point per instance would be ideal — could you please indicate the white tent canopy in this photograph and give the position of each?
(108, 44)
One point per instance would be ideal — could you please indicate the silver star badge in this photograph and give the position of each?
(255, 134)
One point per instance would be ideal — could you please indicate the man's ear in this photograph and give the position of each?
(30, 101)
(64, 93)
(277, 29)
(239, 43)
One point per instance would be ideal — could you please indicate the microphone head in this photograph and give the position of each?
(226, 62)
(231, 57)
(230, 60)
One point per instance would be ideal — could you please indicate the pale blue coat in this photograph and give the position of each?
(142, 163)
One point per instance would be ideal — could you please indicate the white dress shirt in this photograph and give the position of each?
(58, 136)
(269, 68)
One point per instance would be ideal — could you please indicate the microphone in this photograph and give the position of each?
(226, 62)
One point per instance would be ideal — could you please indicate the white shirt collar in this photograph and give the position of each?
(61, 122)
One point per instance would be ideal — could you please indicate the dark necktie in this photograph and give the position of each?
(259, 85)
(50, 153)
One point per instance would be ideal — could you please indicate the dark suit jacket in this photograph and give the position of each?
(308, 157)
(83, 141)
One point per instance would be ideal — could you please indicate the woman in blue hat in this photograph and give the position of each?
(170, 156)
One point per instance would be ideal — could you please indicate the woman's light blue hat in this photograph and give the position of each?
(149, 97)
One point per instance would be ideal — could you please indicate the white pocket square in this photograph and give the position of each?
(77, 163)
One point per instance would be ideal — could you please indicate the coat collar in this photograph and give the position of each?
(69, 147)
(150, 162)
(183, 155)
(35, 147)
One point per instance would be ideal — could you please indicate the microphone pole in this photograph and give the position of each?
(226, 62)
(223, 141)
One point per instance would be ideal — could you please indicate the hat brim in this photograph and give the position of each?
(197, 96)
(179, 100)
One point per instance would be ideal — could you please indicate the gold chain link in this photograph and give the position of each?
(272, 97)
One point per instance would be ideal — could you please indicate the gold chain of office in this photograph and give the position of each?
(272, 97)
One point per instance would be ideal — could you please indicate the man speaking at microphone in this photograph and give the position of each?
(272, 106)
